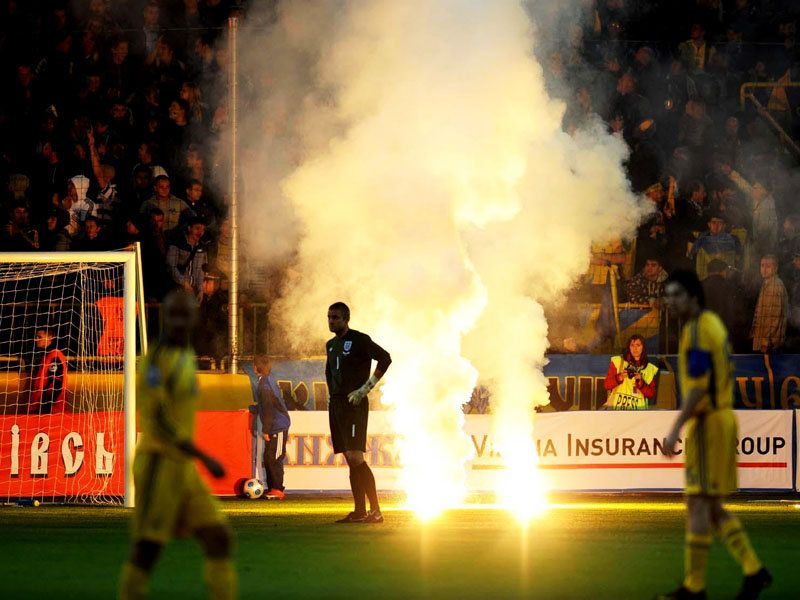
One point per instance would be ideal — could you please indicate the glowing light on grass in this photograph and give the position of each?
(426, 390)
(521, 488)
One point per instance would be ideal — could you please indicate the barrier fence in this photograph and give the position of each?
(48, 455)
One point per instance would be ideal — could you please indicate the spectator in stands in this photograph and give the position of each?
(91, 238)
(49, 379)
(694, 52)
(652, 83)
(771, 315)
(629, 107)
(196, 205)
(580, 113)
(170, 205)
(120, 74)
(696, 208)
(194, 166)
(651, 237)
(121, 120)
(646, 163)
(142, 188)
(193, 95)
(53, 236)
(763, 214)
(725, 199)
(76, 202)
(647, 286)
(211, 338)
(631, 378)
(18, 235)
(106, 202)
(714, 243)
(165, 69)
(221, 250)
(724, 296)
(729, 142)
(789, 244)
(695, 134)
(157, 278)
(132, 231)
(146, 39)
(792, 279)
(187, 257)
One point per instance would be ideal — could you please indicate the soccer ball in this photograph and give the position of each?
(253, 489)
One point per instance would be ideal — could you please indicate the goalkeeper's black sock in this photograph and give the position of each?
(358, 491)
(368, 483)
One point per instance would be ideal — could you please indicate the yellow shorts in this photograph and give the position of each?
(171, 499)
(710, 454)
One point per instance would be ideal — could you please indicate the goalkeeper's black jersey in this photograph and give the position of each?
(349, 361)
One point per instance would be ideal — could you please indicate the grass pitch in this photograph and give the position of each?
(583, 547)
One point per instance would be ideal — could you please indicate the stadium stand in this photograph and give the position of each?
(111, 111)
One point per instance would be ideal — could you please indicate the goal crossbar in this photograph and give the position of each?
(128, 259)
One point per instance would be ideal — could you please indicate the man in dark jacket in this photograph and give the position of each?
(211, 335)
(275, 424)
(723, 296)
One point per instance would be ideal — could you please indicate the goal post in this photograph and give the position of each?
(68, 384)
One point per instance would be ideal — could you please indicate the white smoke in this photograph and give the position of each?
(406, 158)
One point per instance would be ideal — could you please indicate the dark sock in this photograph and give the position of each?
(358, 491)
(368, 485)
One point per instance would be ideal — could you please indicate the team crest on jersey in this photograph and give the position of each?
(53, 368)
(347, 345)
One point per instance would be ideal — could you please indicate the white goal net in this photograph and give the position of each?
(67, 357)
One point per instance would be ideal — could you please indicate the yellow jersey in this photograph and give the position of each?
(166, 399)
(704, 362)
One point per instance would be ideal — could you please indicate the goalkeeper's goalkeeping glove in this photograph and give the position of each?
(356, 396)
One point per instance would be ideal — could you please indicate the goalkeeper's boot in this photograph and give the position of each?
(354, 517)
(682, 593)
(275, 494)
(374, 516)
(754, 584)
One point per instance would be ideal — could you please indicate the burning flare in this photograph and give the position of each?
(422, 171)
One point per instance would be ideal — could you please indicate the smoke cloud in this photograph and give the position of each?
(404, 157)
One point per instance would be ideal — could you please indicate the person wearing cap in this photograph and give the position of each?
(715, 243)
(211, 337)
(163, 199)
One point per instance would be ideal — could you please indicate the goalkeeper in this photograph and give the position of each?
(347, 370)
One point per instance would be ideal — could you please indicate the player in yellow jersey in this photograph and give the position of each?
(170, 496)
(706, 383)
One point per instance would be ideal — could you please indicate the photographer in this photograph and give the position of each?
(631, 379)
(187, 257)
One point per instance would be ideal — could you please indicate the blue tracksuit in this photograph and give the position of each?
(275, 421)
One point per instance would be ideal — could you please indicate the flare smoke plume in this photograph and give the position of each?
(404, 157)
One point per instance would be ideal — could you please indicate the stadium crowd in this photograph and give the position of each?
(108, 122)
(722, 183)
(111, 113)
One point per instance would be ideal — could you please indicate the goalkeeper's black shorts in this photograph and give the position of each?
(348, 425)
